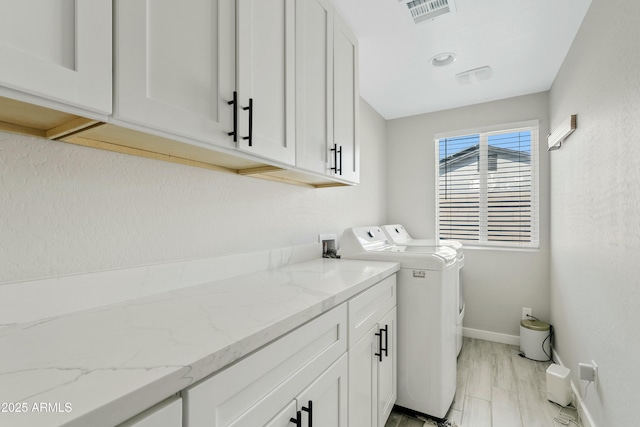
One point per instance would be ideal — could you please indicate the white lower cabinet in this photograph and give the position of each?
(387, 391)
(363, 379)
(338, 370)
(324, 402)
(272, 385)
(283, 419)
(165, 414)
(372, 357)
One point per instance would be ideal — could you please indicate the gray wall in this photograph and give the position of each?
(498, 283)
(595, 202)
(68, 209)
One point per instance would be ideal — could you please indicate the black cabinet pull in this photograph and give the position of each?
(379, 354)
(297, 420)
(234, 102)
(386, 341)
(337, 151)
(250, 108)
(309, 410)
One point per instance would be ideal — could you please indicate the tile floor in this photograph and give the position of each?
(496, 388)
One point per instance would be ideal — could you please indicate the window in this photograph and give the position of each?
(487, 186)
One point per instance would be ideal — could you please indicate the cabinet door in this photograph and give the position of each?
(363, 381)
(266, 81)
(327, 397)
(175, 67)
(346, 102)
(314, 84)
(283, 419)
(252, 391)
(165, 414)
(59, 50)
(387, 376)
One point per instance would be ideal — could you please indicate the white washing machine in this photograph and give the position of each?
(398, 235)
(426, 316)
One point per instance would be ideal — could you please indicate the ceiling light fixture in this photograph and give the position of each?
(442, 59)
(474, 76)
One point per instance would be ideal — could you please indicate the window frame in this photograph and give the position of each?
(484, 133)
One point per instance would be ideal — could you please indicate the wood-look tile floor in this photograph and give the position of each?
(496, 388)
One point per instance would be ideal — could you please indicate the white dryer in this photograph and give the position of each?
(426, 316)
(398, 235)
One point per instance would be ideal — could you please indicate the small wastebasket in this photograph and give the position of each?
(535, 340)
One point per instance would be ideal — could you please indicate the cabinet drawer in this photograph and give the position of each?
(367, 309)
(227, 395)
(165, 414)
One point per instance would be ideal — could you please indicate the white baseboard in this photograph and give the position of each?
(491, 336)
(583, 412)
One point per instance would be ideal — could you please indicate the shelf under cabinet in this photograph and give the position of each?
(29, 119)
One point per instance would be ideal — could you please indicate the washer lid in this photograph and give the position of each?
(446, 253)
(406, 259)
(396, 233)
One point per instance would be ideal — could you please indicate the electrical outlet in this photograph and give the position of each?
(526, 313)
(589, 372)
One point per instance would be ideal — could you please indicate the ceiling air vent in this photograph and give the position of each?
(424, 10)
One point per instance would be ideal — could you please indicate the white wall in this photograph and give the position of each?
(67, 209)
(595, 203)
(498, 283)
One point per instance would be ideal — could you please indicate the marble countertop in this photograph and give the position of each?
(101, 366)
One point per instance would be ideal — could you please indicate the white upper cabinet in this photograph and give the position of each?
(314, 84)
(266, 81)
(175, 67)
(346, 103)
(327, 101)
(58, 50)
(263, 88)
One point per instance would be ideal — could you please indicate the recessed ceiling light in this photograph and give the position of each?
(442, 59)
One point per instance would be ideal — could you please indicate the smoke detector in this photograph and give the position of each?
(424, 10)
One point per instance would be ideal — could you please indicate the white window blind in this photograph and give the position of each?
(487, 187)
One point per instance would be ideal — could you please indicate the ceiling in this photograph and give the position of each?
(523, 41)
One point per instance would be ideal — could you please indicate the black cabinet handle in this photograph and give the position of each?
(379, 354)
(234, 102)
(309, 410)
(337, 151)
(386, 341)
(297, 420)
(250, 108)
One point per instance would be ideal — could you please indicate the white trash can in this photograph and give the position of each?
(535, 340)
